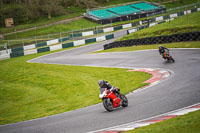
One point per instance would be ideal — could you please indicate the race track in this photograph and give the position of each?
(180, 90)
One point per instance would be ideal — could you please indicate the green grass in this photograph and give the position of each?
(64, 27)
(183, 124)
(179, 25)
(32, 90)
(195, 44)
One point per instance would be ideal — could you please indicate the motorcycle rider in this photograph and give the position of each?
(162, 50)
(104, 84)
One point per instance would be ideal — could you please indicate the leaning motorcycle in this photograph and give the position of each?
(111, 100)
(167, 56)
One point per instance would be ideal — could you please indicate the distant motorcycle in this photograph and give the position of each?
(167, 56)
(111, 101)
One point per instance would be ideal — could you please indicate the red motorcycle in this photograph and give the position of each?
(111, 100)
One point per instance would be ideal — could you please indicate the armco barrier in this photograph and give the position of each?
(160, 22)
(76, 35)
(109, 36)
(41, 44)
(180, 13)
(67, 45)
(79, 42)
(16, 52)
(88, 33)
(101, 38)
(173, 15)
(98, 31)
(29, 47)
(194, 10)
(159, 18)
(64, 39)
(127, 26)
(109, 29)
(52, 42)
(118, 27)
(131, 30)
(40, 50)
(152, 24)
(55, 47)
(4, 56)
(90, 40)
(5, 51)
(166, 17)
(182, 37)
(32, 51)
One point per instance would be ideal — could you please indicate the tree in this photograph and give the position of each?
(86, 3)
(51, 6)
(32, 9)
(66, 3)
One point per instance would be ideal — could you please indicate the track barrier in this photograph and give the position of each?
(182, 37)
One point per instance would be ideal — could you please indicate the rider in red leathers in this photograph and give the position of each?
(104, 84)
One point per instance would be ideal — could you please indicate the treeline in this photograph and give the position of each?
(30, 10)
(23, 11)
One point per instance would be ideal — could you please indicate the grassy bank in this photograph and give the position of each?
(64, 27)
(31, 90)
(154, 46)
(182, 24)
(183, 124)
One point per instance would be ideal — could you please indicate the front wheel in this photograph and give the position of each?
(108, 105)
(124, 101)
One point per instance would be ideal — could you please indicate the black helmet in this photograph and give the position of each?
(161, 47)
(101, 82)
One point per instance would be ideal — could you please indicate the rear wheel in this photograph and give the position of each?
(108, 105)
(172, 59)
(124, 101)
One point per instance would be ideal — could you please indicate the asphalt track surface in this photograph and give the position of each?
(180, 90)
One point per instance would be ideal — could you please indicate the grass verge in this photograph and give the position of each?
(182, 24)
(183, 124)
(195, 44)
(32, 90)
(64, 27)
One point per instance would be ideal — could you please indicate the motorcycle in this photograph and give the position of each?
(111, 100)
(167, 56)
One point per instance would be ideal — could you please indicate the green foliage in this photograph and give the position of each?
(32, 90)
(183, 124)
(30, 10)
